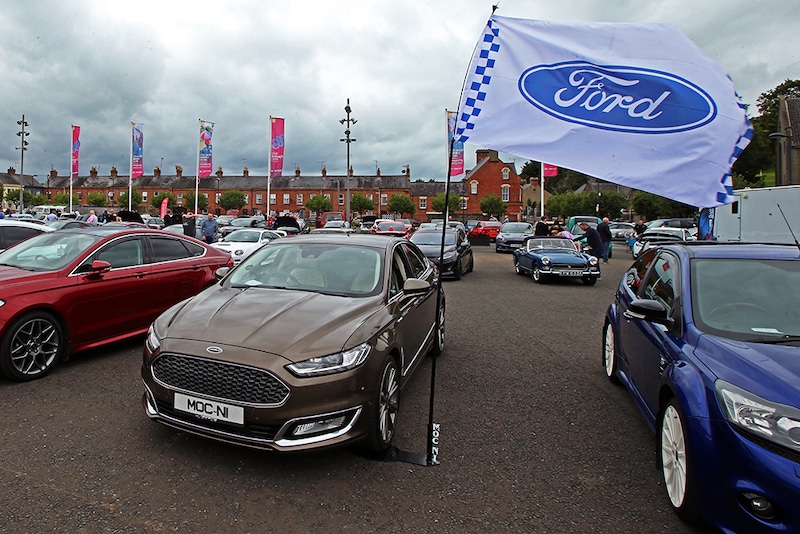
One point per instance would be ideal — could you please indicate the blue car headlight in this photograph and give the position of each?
(775, 422)
(332, 363)
(545, 261)
(592, 260)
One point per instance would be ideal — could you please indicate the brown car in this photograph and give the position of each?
(306, 344)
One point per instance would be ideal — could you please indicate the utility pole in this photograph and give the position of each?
(23, 144)
(347, 139)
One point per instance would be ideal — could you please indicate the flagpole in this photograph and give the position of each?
(130, 176)
(71, 137)
(269, 173)
(197, 176)
(541, 191)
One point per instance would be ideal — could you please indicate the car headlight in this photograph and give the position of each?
(776, 422)
(592, 260)
(333, 363)
(238, 252)
(500, 237)
(152, 342)
(451, 255)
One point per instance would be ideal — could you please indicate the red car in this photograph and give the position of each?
(391, 228)
(486, 228)
(77, 289)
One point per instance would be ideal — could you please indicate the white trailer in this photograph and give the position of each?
(763, 215)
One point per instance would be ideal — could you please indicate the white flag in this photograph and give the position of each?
(635, 104)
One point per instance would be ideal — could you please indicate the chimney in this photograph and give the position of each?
(350, 171)
(324, 171)
(114, 172)
(484, 153)
(12, 170)
(178, 171)
(297, 171)
(246, 172)
(219, 172)
(93, 172)
(378, 172)
(53, 174)
(157, 171)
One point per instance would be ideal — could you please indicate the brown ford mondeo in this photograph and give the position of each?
(305, 344)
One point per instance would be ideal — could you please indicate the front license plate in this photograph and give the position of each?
(211, 410)
(515, 245)
(571, 273)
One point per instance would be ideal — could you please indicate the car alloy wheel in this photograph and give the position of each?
(458, 270)
(438, 342)
(384, 411)
(31, 347)
(675, 463)
(609, 357)
(517, 267)
(536, 274)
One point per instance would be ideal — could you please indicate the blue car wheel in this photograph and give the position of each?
(676, 463)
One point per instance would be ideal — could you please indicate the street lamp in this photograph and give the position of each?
(776, 136)
(348, 121)
(23, 147)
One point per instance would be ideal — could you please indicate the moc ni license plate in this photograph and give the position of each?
(209, 410)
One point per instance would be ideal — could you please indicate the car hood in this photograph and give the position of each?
(294, 324)
(286, 221)
(560, 255)
(432, 251)
(763, 369)
(11, 277)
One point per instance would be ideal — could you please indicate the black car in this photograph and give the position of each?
(457, 258)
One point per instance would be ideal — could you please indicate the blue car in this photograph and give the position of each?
(706, 337)
(555, 257)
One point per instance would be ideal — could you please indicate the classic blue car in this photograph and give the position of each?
(706, 337)
(557, 257)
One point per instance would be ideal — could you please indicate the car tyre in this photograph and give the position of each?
(471, 263)
(458, 270)
(610, 354)
(438, 339)
(536, 274)
(517, 267)
(384, 411)
(31, 347)
(589, 280)
(675, 461)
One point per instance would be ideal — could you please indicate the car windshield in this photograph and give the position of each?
(550, 243)
(433, 238)
(243, 236)
(516, 228)
(51, 251)
(241, 222)
(747, 299)
(344, 270)
(391, 227)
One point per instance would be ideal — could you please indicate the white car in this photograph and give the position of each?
(12, 231)
(244, 241)
(656, 236)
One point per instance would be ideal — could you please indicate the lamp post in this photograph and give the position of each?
(347, 139)
(23, 147)
(776, 136)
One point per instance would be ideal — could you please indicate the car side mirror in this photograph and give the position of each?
(415, 286)
(221, 272)
(650, 310)
(100, 266)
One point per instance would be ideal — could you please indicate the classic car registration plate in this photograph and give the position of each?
(570, 273)
(211, 410)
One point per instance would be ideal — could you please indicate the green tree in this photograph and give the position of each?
(652, 206)
(401, 204)
(136, 199)
(62, 199)
(359, 203)
(202, 201)
(96, 198)
(28, 198)
(319, 203)
(767, 102)
(493, 206)
(757, 156)
(453, 201)
(612, 204)
(229, 200)
(158, 198)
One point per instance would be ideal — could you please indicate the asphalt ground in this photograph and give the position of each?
(533, 438)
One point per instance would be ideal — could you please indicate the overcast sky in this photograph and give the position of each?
(103, 64)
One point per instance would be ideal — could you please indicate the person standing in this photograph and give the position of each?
(209, 229)
(189, 225)
(605, 235)
(592, 239)
(541, 228)
(639, 227)
(92, 219)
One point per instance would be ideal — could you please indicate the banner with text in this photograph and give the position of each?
(277, 146)
(137, 149)
(76, 146)
(457, 158)
(205, 163)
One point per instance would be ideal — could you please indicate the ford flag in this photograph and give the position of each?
(635, 104)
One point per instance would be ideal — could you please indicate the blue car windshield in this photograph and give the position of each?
(746, 299)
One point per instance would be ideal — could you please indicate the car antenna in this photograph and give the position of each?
(797, 243)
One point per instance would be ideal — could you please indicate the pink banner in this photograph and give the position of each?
(137, 150)
(550, 170)
(204, 159)
(277, 145)
(76, 145)
(457, 157)
(164, 205)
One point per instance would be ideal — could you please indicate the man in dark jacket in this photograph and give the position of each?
(541, 228)
(605, 235)
(593, 239)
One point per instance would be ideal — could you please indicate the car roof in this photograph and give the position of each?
(25, 224)
(715, 249)
(364, 240)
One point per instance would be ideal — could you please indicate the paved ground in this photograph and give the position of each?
(533, 439)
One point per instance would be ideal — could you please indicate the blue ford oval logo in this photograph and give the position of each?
(213, 350)
(623, 99)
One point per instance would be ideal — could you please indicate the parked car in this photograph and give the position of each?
(572, 222)
(242, 363)
(555, 257)
(58, 287)
(457, 258)
(60, 224)
(672, 223)
(244, 241)
(238, 222)
(659, 235)
(512, 236)
(488, 229)
(390, 228)
(156, 223)
(706, 338)
(337, 224)
(621, 231)
(14, 231)
(289, 224)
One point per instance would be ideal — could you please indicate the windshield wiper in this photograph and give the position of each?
(786, 338)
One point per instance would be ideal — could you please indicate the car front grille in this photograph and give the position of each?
(219, 380)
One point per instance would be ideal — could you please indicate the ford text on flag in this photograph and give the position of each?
(635, 104)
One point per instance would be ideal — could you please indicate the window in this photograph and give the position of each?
(167, 249)
(122, 254)
(259, 198)
(418, 262)
(299, 199)
(327, 195)
(216, 197)
(505, 174)
(660, 282)
(384, 199)
(473, 187)
(80, 195)
(273, 198)
(246, 198)
(180, 198)
(286, 199)
(369, 196)
(505, 193)
(341, 199)
(423, 203)
(144, 196)
(633, 278)
(463, 203)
